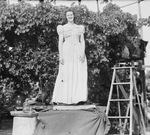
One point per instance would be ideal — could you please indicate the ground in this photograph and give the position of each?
(6, 127)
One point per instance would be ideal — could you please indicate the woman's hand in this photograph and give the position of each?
(61, 61)
(82, 58)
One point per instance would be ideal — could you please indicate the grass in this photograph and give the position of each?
(6, 127)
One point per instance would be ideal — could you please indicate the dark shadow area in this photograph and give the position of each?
(6, 124)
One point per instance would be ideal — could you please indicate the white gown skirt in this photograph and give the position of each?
(71, 82)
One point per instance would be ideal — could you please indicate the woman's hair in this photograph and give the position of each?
(69, 10)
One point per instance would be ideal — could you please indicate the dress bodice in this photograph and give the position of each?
(70, 32)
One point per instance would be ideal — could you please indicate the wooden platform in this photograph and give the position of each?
(74, 107)
(23, 114)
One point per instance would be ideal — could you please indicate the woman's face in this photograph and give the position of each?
(70, 16)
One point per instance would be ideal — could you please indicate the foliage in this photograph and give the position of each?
(144, 22)
(148, 82)
(29, 50)
(121, 30)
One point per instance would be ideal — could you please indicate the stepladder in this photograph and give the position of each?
(124, 109)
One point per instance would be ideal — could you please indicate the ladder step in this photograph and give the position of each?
(121, 83)
(117, 134)
(119, 99)
(123, 67)
(118, 117)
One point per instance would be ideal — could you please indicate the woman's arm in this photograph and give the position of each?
(60, 46)
(82, 57)
(82, 44)
(60, 43)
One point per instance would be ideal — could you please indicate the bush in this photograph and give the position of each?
(29, 46)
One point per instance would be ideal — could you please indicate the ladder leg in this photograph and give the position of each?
(131, 103)
(140, 109)
(126, 120)
(119, 109)
(110, 93)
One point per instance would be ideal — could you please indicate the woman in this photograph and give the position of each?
(71, 82)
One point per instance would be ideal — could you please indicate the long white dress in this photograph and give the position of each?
(71, 82)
